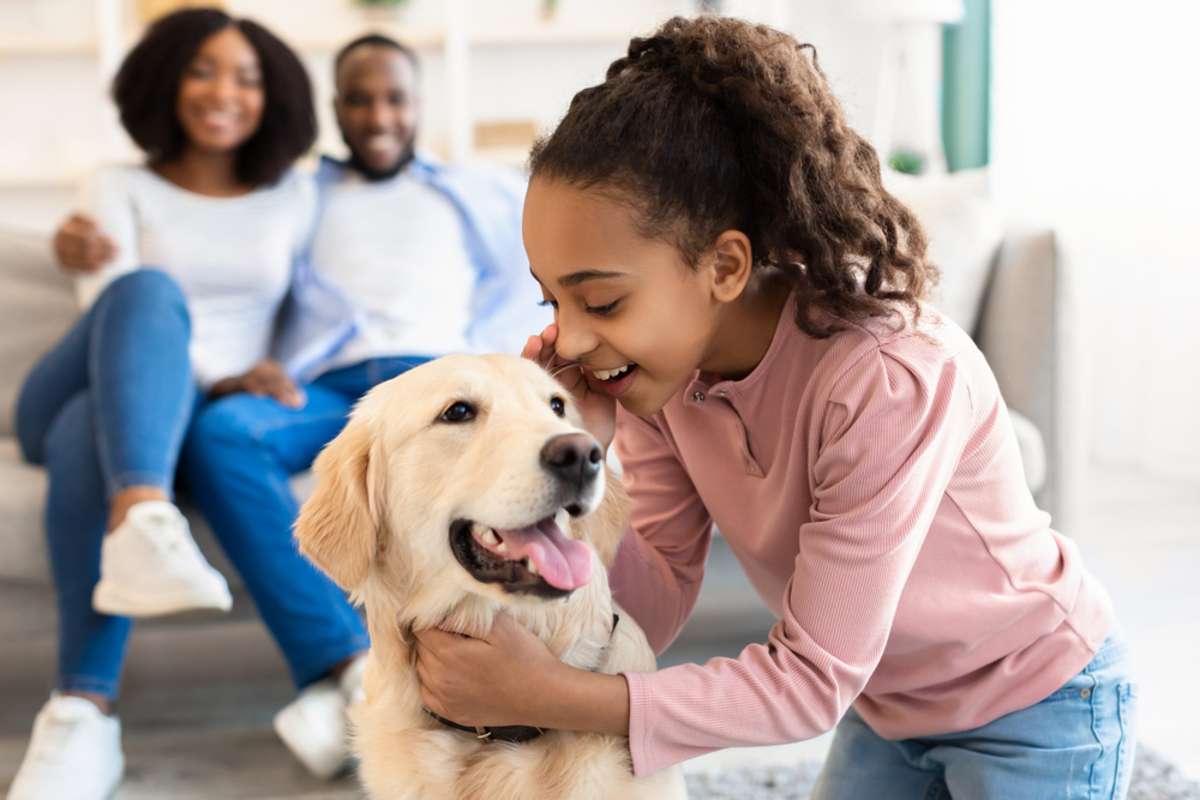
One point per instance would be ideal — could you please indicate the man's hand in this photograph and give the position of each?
(80, 245)
(264, 379)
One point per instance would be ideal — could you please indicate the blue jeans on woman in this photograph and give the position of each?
(108, 408)
(237, 457)
(1077, 744)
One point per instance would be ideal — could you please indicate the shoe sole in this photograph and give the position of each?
(108, 598)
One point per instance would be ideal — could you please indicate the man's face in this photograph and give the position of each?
(376, 107)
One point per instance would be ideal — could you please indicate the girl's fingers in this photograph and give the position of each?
(532, 349)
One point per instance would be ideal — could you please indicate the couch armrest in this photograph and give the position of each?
(1029, 332)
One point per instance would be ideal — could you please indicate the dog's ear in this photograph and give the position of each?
(337, 529)
(605, 526)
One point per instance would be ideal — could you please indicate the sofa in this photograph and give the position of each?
(1010, 287)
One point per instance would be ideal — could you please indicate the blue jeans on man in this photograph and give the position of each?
(238, 456)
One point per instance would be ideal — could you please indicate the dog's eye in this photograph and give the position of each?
(458, 412)
(558, 406)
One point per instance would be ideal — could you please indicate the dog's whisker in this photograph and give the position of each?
(564, 367)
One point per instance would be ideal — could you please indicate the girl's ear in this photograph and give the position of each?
(732, 262)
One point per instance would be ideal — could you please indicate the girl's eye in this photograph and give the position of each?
(551, 303)
(604, 310)
(558, 406)
(461, 411)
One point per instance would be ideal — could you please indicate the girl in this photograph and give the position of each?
(727, 270)
(221, 109)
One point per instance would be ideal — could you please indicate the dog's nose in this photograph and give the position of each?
(573, 458)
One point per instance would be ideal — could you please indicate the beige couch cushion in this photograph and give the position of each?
(36, 308)
(964, 230)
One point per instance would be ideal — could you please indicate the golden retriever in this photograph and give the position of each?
(463, 487)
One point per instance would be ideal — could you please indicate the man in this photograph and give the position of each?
(409, 259)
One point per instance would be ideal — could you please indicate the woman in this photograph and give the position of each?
(221, 108)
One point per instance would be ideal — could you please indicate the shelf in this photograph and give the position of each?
(433, 40)
(331, 42)
(15, 181)
(422, 40)
(549, 35)
(32, 47)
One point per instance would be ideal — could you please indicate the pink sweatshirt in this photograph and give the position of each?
(871, 487)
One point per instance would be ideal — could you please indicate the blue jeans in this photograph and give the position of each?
(1077, 744)
(237, 457)
(105, 409)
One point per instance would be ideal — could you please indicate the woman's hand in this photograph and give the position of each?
(599, 410)
(265, 379)
(490, 681)
(80, 245)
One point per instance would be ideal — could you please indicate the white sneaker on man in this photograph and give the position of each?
(150, 566)
(74, 754)
(314, 726)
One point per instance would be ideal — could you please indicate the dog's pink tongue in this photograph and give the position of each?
(565, 563)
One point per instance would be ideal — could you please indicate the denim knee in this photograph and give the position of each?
(146, 285)
(224, 433)
(227, 422)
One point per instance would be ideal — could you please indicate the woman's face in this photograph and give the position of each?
(221, 96)
(619, 298)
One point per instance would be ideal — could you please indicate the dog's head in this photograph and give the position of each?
(472, 474)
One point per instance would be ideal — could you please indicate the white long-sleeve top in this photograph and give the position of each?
(232, 256)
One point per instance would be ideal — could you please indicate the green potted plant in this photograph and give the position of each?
(382, 10)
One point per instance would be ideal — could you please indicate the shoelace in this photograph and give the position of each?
(170, 537)
(53, 738)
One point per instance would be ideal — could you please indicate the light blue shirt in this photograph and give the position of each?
(319, 318)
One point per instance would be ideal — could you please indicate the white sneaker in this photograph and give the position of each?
(313, 726)
(150, 566)
(74, 754)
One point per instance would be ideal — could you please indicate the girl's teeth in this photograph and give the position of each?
(606, 374)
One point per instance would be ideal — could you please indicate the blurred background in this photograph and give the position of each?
(1047, 147)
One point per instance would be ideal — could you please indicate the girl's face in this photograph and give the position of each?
(621, 301)
(221, 97)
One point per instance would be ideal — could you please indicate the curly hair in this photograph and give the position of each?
(147, 84)
(714, 123)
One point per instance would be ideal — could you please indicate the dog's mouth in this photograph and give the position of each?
(537, 559)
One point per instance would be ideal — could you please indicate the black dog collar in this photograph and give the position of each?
(515, 734)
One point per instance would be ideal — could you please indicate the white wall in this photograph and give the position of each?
(1096, 129)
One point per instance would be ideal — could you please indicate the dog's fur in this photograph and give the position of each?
(389, 488)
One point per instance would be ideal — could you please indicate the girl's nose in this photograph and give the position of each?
(575, 339)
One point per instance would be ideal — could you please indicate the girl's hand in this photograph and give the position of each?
(598, 409)
(80, 245)
(267, 378)
(484, 682)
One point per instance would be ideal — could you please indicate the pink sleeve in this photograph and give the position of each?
(660, 563)
(890, 441)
